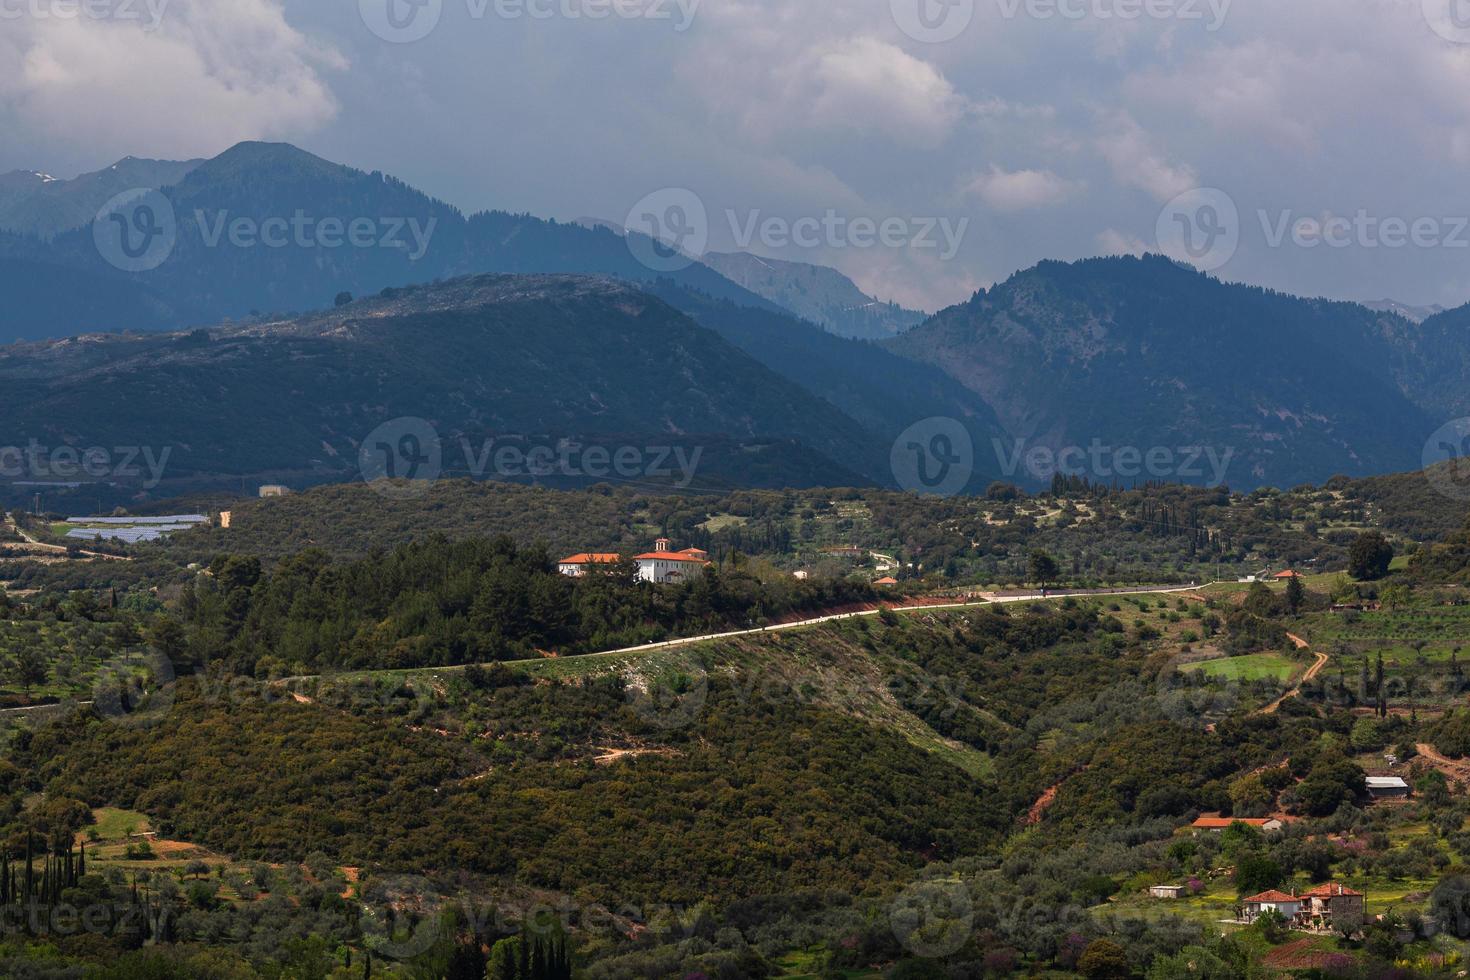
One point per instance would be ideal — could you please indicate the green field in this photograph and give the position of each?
(1403, 635)
(1216, 904)
(72, 652)
(111, 823)
(1254, 667)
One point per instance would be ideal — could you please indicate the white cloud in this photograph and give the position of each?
(1021, 190)
(1135, 161)
(207, 74)
(866, 84)
(1114, 242)
(786, 89)
(793, 108)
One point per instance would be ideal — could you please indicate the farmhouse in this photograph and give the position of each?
(1167, 891)
(665, 567)
(1387, 787)
(1332, 906)
(1214, 824)
(1327, 907)
(1256, 906)
(662, 565)
(577, 565)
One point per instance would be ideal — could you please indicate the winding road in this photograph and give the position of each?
(1310, 675)
(1455, 770)
(803, 624)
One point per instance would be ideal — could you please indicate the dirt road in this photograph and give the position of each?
(1310, 675)
(993, 600)
(1455, 770)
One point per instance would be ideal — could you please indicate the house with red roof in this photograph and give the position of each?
(664, 566)
(1252, 908)
(578, 565)
(1333, 906)
(1328, 907)
(1215, 823)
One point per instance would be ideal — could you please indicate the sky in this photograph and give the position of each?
(927, 148)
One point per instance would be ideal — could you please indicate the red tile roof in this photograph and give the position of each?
(591, 559)
(1287, 574)
(668, 556)
(1271, 896)
(1330, 890)
(886, 581)
(1213, 822)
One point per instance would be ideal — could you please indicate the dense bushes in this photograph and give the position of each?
(758, 796)
(439, 603)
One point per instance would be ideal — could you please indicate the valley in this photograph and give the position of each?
(738, 491)
(483, 743)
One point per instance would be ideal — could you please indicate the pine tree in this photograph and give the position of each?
(30, 878)
(1378, 685)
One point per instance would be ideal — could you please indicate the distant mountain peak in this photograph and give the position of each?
(274, 158)
(1414, 314)
(817, 293)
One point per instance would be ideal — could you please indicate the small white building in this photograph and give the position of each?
(1271, 901)
(1387, 787)
(1167, 891)
(664, 566)
(576, 566)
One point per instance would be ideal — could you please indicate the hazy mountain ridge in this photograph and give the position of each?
(1121, 352)
(1414, 314)
(817, 293)
(883, 391)
(212, 272)
(546, 357)
(35, 203)
(1144, 353)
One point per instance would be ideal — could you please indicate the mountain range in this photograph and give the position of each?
(494, 362)
(817, 293)
(40, 205)
(232, 352)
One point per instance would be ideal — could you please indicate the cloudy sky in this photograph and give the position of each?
(1331, 136)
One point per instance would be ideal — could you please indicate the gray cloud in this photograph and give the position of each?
(1056, 136)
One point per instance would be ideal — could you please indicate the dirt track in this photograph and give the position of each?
(1456, 771)
(1310, 675)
